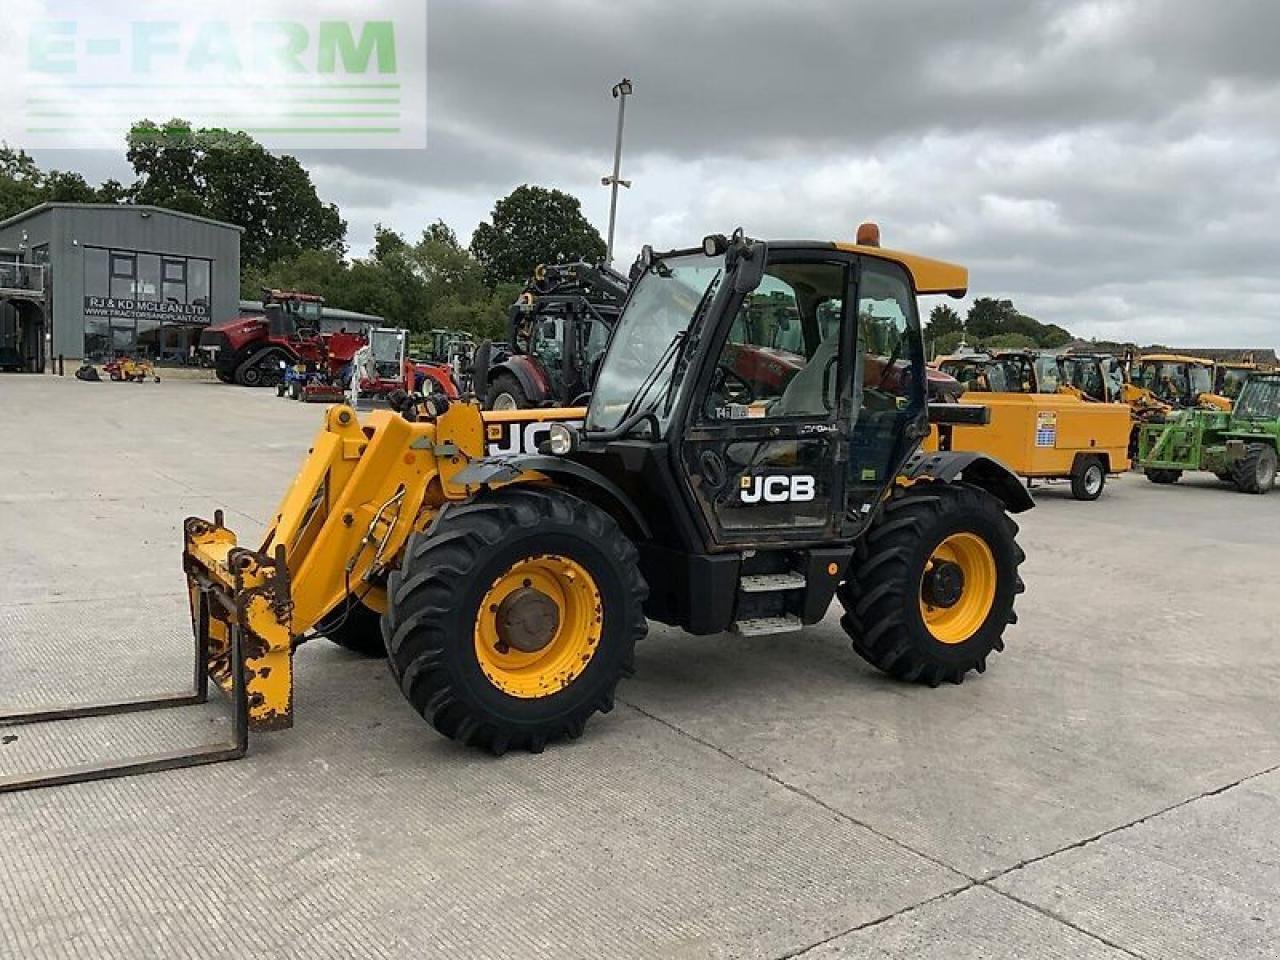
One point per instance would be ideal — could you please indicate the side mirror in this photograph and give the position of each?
(748, 256)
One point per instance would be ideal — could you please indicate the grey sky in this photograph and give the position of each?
(1112, 166)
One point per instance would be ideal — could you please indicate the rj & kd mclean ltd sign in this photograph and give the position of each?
(124, 308)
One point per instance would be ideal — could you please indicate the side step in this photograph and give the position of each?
(767, 626)
(772, 582)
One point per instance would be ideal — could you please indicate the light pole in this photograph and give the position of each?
(621, 91)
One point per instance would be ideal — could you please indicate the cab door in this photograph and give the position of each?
(762, 451)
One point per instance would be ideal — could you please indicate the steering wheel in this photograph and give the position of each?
(740, 391)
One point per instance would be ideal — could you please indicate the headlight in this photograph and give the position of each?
(561, 440)
(283, 365)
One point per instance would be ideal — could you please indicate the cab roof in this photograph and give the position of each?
(929, 276)
(1175, 358)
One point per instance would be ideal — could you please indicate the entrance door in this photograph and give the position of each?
(762, 449)
(123, 339)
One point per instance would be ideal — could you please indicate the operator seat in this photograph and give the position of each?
(803, 394)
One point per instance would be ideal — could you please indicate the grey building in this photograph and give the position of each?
(88, 281)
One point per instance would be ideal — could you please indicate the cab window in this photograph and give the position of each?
(781, 356)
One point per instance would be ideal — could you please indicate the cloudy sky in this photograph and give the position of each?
(1112, 166)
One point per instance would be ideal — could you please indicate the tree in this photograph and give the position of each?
(947, 343)
(533, 225)
(989, 317)
(24, 185)
(943, 319)
(229, 176)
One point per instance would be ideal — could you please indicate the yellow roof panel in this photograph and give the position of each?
(929, 276)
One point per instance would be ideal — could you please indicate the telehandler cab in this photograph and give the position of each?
(509, 590)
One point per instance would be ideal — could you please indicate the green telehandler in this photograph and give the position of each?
(1241, 446)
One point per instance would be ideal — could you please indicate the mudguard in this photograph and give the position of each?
(576, 478)
(522, 368)
(978, 469)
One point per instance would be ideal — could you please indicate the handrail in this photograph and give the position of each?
(22, 277)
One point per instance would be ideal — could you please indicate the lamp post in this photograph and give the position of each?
(621, 90)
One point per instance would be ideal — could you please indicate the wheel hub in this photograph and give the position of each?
(943, 584)
(527, 619)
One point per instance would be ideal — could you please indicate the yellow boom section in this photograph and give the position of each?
(340, 528)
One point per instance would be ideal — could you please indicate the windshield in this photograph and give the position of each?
(979, 376)
(639, 364)
(1166, 379)
(1260, 399)
(1047, 380)
(1231, 381)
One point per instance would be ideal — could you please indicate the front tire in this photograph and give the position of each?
(1163, 477)
(505, 393)
(1255, 472)
(933, 584)
(472, 638)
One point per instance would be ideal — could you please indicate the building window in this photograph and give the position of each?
(175, 281)
(198, 281)
(124, 274)
(164, 335)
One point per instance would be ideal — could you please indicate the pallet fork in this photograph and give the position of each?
(222, 659)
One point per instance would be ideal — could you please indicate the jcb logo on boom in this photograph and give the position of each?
(779, 489)
(515, 437)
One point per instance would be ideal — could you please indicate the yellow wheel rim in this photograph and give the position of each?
(538, 626)
(958, 588)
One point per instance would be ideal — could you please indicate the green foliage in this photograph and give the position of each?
(229, 176)
(943, 320)
(435, 283)
(998, 324)
(24, 185)
(533, 225)
(947, 343)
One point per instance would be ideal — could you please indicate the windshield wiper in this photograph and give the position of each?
(671, 350)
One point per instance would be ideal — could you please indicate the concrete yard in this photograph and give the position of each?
(1109, 788)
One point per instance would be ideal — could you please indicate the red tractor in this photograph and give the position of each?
(253, 350)
(386, 368)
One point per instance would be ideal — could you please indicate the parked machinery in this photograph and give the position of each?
(386, 368)
(1230, 376)
(253, 351)
(1241, 446)
(1052, 416)
(512, 589)
(557, 332)
(130, 369)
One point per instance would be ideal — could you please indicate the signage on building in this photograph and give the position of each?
(125, 308)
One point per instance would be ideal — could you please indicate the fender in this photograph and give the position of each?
(530, 378)
(982, 471)
(579, 480)
(438, 376)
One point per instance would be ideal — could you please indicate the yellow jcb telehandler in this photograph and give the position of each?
(702, 489)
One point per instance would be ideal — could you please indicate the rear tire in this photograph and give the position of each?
(440, 599)
(1163, 477)
(354, 627)
(1255, 472)
(505, 393)
(885, 595)
(1088, 478)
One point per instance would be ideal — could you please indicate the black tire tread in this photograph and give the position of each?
(507, 383)
(875, 597)
(431, 578)
(1245, 470)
